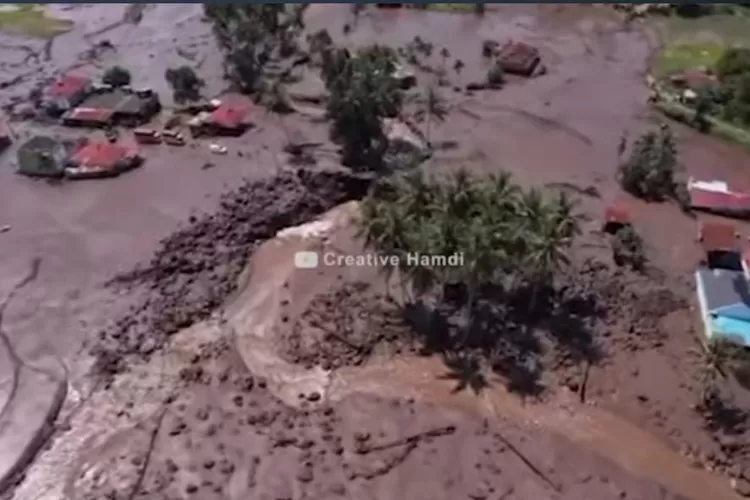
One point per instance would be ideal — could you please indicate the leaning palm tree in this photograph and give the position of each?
(714, 362)
(434, 108)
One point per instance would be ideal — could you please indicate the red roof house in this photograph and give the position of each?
(101, 159)
(617, 216)
(230, 118)
(98, 117)
(68, 86)
(66, 92)
(694, 79)
(724, 202)
(518, 58)
(718, 237)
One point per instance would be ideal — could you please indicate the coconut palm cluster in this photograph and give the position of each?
(508, 237)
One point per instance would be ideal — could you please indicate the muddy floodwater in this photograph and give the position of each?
(563, 127)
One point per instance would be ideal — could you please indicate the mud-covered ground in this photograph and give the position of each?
(222, 435)
(561, 128)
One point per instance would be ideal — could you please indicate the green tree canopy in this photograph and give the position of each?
(507, 236)
(363, 91)
(649, 172)
(116, 76)
(185, 83)
(733, 62)
(250, 35)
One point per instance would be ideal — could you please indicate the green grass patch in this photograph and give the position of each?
(683, 114)
(682, 56)
(690, 43)
(31, 20)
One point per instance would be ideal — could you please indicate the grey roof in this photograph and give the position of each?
(723, 287)
(117, 100)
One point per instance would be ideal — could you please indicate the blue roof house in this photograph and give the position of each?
(724, 297)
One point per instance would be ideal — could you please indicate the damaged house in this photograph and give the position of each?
(107, 106)
(41, 156)
(228, 119)
(101, 159)
(519, 58)
(65, 93)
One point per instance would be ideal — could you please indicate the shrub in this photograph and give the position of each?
(117, 76)
(496, 74)
(628, 248)
(650, 169)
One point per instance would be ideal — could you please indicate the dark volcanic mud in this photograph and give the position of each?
(196, 268)
(596, 311)
(224, 436)
(344, 327)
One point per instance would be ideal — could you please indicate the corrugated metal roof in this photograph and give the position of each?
(228, 116)
(99, 155)
(68, 86)
(517, 54)
(718, 236)
(723, 287)
(716, 200)
(617, 213)
(98, 115)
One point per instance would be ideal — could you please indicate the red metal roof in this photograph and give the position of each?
(517, 52)
(68, 86)
(97, 115)
(695, 79)
(618, 213)
(718, 236)
(228, 116)
(100, 155)
(720, 201)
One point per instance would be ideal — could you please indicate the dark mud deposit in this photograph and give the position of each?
(223, 436)
(597, 311)
(195, 269)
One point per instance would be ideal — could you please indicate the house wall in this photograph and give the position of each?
(80, 95)
(702, 307)
(57, 104)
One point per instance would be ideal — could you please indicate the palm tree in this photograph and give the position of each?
(383, 228)
(714, 362)
(466, 371)
(434, 107)
(564, 212)
(418, 196)
(551, 228)
(444, 55)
